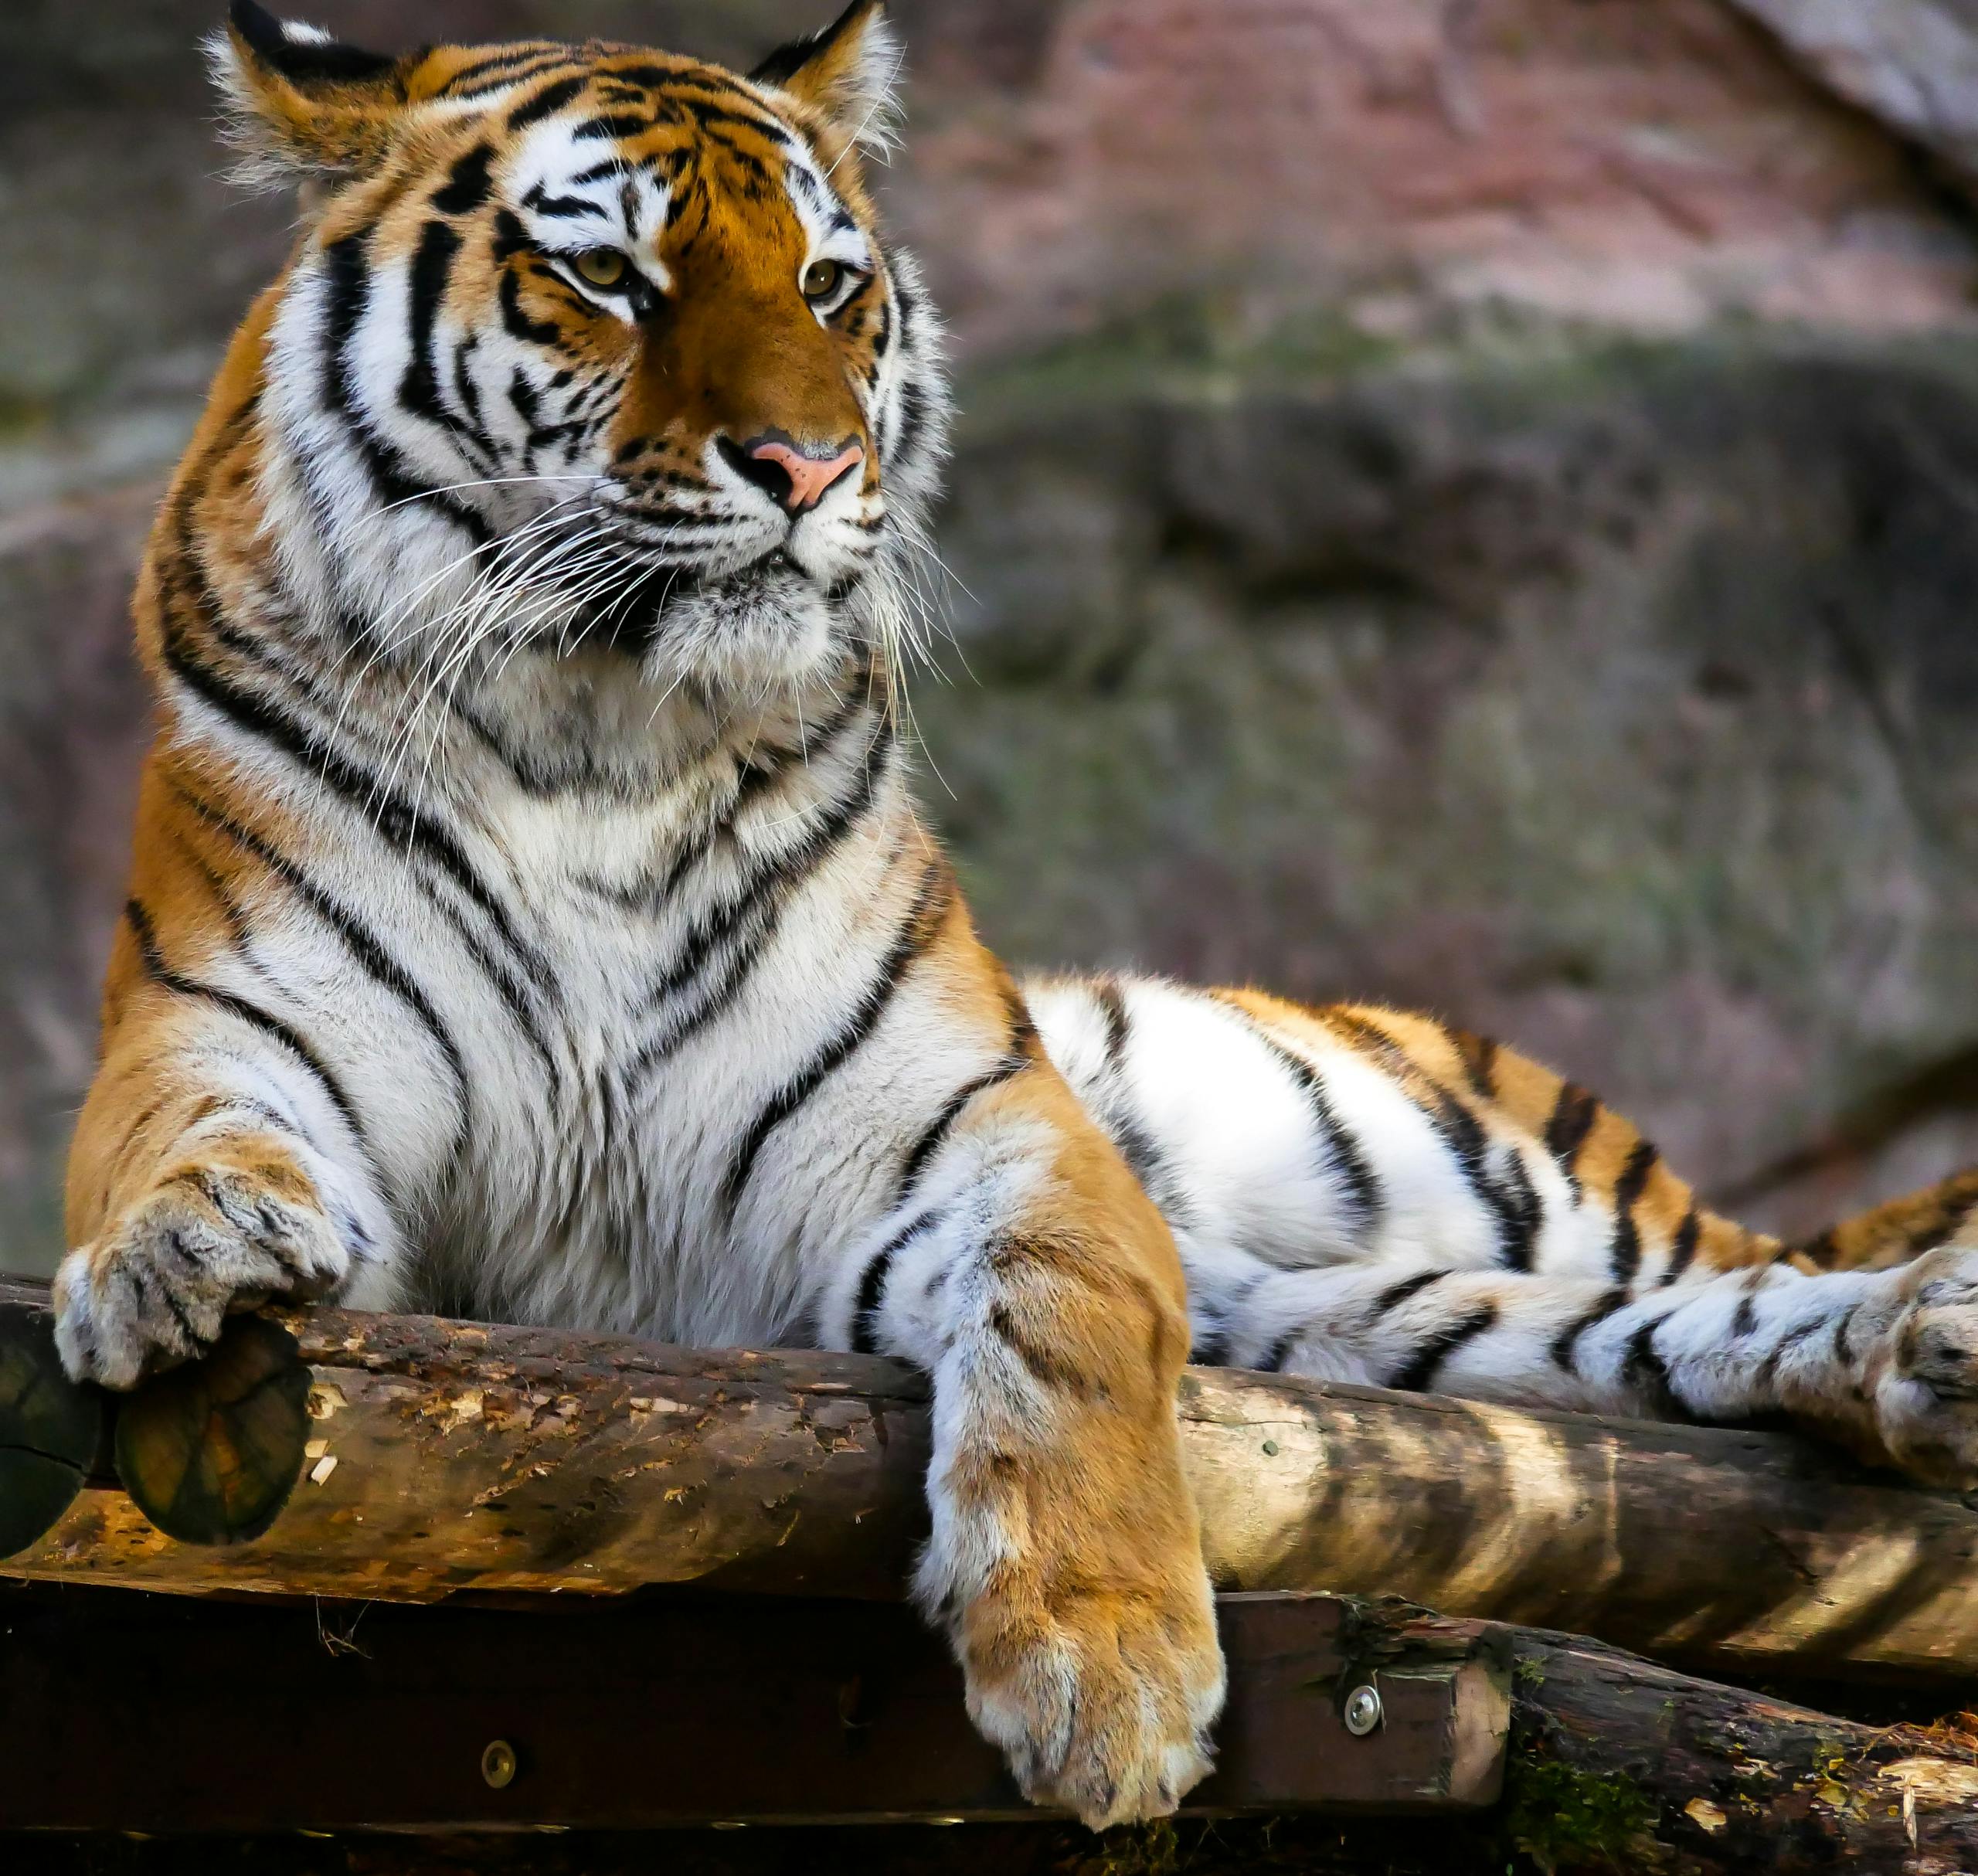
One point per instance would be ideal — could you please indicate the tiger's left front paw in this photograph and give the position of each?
(1101, 1696)
(1922, 1371)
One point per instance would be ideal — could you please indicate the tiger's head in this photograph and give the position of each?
(587, 344)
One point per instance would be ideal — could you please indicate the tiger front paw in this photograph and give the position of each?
(242, 1222)
(1921, 1370)
(1100, 1697)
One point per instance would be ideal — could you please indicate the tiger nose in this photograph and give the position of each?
(794, 477)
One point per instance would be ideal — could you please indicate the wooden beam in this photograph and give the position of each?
(444, 1457)
(156, 1713)
(132, 1712)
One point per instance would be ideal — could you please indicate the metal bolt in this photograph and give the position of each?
(499, 1764)
(1363, 1711)
(1270, 1449)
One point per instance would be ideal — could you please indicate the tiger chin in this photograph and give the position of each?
(529, 916)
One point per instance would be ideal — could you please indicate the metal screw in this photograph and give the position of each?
(1363, 1710)
(499, 1764)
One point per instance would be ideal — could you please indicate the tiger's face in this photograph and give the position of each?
(593, 345)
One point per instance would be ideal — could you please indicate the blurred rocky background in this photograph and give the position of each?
(1471, 502)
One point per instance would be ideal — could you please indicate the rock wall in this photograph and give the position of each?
(1469, 502)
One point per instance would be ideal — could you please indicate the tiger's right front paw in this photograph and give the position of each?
(242, 1222)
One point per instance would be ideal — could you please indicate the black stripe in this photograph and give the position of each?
(1417, 1375)
(348, 271)
(1044, 1367)
(1127, 1130)
(1520, 1209)
(1565, 1344)
(550, 98)
(357, 938)
(432, 267)
(1624, 1255)
(1479, 1053)
(239, 928)
(1744, 1318)
(913, 420)
(1395, 1294)
(269, 1025)
(1512, 1201)
(917, 932)
(1683, 1246)
(872, 1283)
(612, 124)
(1106, 994)
(467, 184)
(1843, 1345)
(1768, 1370)
(507, 61)
(775, 880)
(1572, 1120)
(936, 1131)
(558, 207)
(1343, 1157)
(517, 320)
(1645, 1370)
(1275, 1357)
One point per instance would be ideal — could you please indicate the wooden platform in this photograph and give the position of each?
(161, 1713)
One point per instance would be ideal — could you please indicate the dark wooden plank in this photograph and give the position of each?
(156, 1714)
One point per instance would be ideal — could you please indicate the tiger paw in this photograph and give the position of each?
(1921, 1370)
(243, 1222)
(1102, 1700)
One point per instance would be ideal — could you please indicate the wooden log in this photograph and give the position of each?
(444, 1457)
(150, 1713)
(1619, 1764)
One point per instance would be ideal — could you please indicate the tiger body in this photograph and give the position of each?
(530, 919)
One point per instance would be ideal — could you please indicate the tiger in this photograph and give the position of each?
(530, 918)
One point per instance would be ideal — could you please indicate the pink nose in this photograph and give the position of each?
(794, 477)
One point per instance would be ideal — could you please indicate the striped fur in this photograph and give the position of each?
(530, 918)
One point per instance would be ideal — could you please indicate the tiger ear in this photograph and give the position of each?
(301, 105)
(849, 73)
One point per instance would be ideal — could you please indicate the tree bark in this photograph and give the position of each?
(1619, 1764)
(445, 1455)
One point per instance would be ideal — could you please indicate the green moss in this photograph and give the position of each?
(1181, 345)
(21, 414)
(1565, 1818)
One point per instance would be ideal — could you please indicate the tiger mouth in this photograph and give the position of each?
(632, 620)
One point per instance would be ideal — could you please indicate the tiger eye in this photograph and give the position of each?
(603, 266)
(820, 279)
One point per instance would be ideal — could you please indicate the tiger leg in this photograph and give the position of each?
(211, 1171)
(1884, 1362)
(1029, 1276)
